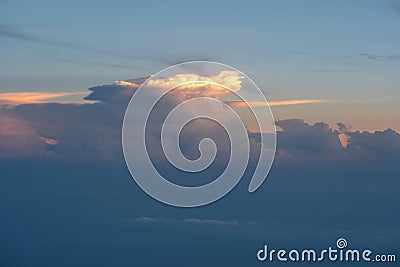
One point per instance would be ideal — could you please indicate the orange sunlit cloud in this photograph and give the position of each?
(344, 139)
(15, 98)
(193, 85)
(49, 141)
(241, 104)
(229, 79)
(295, 102)
(127, 84)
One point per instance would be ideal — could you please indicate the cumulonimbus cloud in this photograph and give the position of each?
(188, 86)
(31, 125)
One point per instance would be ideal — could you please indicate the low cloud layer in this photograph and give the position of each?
(195, 221)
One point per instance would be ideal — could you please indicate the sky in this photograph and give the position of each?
(345, 52)
(68, 70)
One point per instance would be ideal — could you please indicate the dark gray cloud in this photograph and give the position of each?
(342, 127)
(115, 93)
(300, 140)
(380, 144)
(89, 132)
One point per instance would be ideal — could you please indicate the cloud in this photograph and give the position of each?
(86, 62)
(380, 143)
(366, 144)
(296, 102)
(211, 222)
(19, 138)
(301, 141)
(229, 79)
(241, 104)
(190, 86)
(83, 131)
(145, 219)
(185, 86)
(342, 127)
(379, 57)
(15, 98)
(18, 33)
(68, 157)
(22, 33)
(93, 131)
(120, 92)
(49, 141)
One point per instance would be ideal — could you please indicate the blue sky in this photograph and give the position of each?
(343, 51)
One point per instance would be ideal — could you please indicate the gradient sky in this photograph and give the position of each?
(346, 52)
(66, 195)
